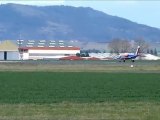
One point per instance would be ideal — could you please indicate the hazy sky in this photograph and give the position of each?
(141, 11)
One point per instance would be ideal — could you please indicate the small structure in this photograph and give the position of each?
(8, 51)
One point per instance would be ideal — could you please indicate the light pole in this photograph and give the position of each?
(19, 46)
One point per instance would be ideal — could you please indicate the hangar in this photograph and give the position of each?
(8, 51)
(45, 49)
(36, 49)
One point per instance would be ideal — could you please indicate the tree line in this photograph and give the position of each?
(118, 45)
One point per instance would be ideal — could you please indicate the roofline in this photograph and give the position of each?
(50, 48)
(9, 50)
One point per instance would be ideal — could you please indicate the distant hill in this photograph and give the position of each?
(68, 23)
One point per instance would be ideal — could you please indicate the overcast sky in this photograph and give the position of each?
(144, 12)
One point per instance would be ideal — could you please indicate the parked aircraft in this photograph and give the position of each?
(127, 56)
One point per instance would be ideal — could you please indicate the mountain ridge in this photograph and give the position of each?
(69, 23)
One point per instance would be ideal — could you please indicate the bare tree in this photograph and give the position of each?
(142, 43)
(143, 46)
(114, 45)
(118, 45)
(125, 46)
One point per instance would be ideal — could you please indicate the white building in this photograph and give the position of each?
(47, 52)
(45, 49)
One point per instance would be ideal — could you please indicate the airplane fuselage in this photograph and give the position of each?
(127, 56)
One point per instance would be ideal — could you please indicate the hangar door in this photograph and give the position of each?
(9, 55)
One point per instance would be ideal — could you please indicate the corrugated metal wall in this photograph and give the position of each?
(10, 55)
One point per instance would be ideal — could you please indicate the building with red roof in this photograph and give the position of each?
(46, 49)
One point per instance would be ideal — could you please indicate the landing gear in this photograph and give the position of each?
(133, 61)
(123, 60)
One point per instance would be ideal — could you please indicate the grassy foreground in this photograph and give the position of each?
(82, 111)
(79, 96)
(140, 66)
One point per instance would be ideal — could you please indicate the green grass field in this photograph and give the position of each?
(56, 87)
(79, 96)
(76, 90)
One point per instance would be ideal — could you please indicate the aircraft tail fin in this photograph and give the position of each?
(138, 50)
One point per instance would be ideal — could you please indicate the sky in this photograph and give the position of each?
(140, 11)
